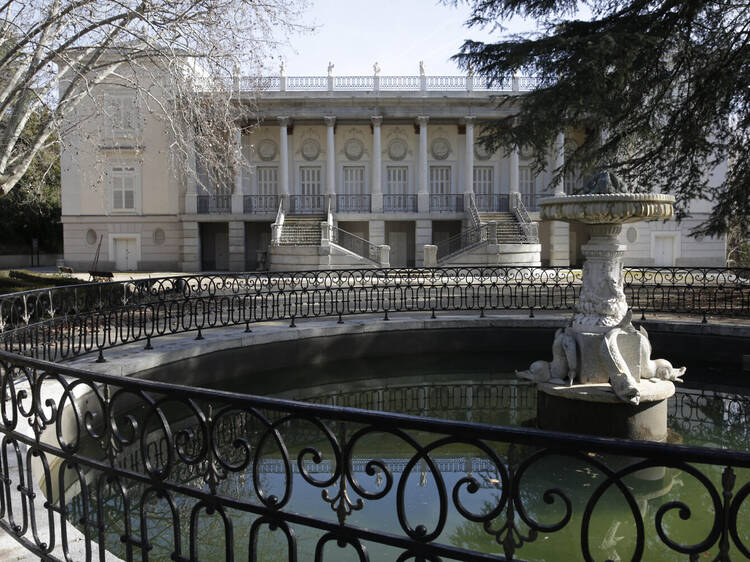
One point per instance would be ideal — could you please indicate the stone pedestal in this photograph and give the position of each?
(594, 409)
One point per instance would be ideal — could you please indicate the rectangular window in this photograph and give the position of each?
(309, 180)
(354, 180)
(440, 180)
(122, 113)
(397, 180)
(123, 181)
(268, 180)
(526, 180)
(484, 180)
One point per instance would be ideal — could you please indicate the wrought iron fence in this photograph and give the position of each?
(209, 204)
(359, 203)
(493, 203)
(446, 203)
(70, 436)
(306, 204)
(399, 203)
(261, 204)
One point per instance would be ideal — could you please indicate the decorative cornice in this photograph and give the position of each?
(607, 208)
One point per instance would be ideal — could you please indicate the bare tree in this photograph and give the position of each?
(181, 57)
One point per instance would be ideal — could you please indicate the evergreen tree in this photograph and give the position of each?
(660, 88)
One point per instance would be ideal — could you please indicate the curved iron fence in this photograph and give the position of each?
(70, 489)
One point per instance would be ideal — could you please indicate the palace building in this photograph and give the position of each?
(340, 171)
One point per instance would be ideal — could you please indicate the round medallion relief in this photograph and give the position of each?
(632, 235)
(354, 149)
(159, 236)
(310, 149)
(91, 236)
(481, 153)
(267, 150)
(440, 149)
(527, 152)
(397, 149)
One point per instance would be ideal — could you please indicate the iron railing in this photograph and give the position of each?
(261, 204)
(493, 203)
(462, 241)
(355, 244)
(210, 204)
(78, 447)
(446, 203)
(306, 204)
(359, 203)
(393, 203)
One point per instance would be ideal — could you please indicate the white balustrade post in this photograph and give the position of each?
(430, 255)
(376, 198)
(469, 162)
(330, 122)
(237, 195)
(384, 255)
(423, 193)
(284, 159)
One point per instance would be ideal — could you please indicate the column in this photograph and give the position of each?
(469, 162)
(330, 160)
(237, 195)
(513, 186)
(284, 159)
(559, 232)
(191, 186)
(559, 162)
(377, 186)
(423, 192)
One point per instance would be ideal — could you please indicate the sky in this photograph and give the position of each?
(354, 34)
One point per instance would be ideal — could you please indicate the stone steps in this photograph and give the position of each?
(301, 231)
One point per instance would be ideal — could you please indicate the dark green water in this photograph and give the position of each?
(477, 388)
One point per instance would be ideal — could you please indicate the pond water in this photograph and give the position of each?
(477, 388)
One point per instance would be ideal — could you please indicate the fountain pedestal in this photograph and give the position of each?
(601, 379)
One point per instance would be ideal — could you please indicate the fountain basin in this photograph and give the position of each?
(615, 208)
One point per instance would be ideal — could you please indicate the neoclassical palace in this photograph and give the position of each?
(340, 171)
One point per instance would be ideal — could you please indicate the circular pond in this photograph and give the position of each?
(395, 482)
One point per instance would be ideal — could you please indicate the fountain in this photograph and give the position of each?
(602, 379)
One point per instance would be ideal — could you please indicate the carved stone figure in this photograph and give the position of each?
(421, 68)
(563, 365)
(282, 68)
(330, 69)
(376, 69)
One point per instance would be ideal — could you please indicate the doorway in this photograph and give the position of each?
(214, 246)
(125, 254)
(664, 249)
(400, 236)
(257, 241)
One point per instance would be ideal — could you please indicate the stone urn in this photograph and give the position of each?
(602, 379)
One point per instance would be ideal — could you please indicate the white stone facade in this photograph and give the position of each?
(395, 159)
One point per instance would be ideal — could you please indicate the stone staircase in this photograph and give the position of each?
(508, 228)
(301, 231)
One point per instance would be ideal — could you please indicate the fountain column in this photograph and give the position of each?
(601, 379)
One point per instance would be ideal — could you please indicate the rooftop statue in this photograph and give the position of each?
(421, 68)
(330, 68)
(376, 69)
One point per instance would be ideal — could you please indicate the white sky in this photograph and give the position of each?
(354, 34)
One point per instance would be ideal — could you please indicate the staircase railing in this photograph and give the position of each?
(278, 224)
(474, 212)
(529, 229)
(355, 244)
(462, 241)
